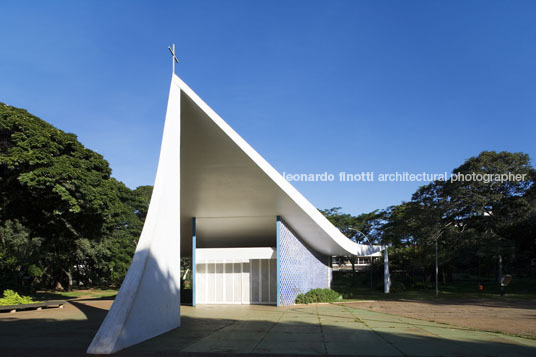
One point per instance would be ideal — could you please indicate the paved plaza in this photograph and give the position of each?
(324, 329)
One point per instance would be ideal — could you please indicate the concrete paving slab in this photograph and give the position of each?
(313, 330)
(485, 343)
(296, 328)
(356, 336)
(282, 347)
(211, 346)
(414, 343)
(338, 330)
(256, 326)
(297, 337)
(363, 349)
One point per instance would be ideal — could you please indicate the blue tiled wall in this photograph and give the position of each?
(301, 268)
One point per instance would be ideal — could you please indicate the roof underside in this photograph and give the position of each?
(236, 195)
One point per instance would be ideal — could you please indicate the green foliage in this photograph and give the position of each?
(501, 215)
(318, 295)
(13, 298)
(361, 229)
(397, 286)
(34, 271)
(19, 253)
(520, 288)
(64, 218)
(475, 224)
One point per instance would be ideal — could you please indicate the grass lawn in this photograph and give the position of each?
(358, 290)
(75, 294)
(522, 288)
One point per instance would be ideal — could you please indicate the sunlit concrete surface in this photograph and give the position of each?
(327, 329)
(256, 329)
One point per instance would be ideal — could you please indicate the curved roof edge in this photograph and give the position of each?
(344, 245)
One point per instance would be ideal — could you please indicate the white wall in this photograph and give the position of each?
(220, 254)
(231, 276)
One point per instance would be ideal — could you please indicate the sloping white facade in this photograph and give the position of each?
(148, 303)
(206, 170)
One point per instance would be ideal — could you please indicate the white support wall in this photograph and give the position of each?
(148, 302)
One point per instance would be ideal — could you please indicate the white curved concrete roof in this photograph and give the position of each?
(233, 191)
(235, 196)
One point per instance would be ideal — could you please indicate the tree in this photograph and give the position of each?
(19, 254)
(471, 220)
(360, 229)
(56, 188)
(492, 205)
(127, 225)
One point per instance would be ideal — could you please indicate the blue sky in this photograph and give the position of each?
(313, 86)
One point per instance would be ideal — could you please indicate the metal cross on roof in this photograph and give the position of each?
(174, 59)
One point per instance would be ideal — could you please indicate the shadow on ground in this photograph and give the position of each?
(313, 330)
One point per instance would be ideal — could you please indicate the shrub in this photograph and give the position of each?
(318, 295)
(12, 298)
(397, 286)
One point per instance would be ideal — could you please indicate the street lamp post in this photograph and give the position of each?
(436, 258)
(436, 268)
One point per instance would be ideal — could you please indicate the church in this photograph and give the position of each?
(251, 236)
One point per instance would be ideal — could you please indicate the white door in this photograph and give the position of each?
(241, 281)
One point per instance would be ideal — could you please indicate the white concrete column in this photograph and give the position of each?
(386, 275)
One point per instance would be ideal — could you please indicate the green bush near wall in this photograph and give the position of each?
(318, 295)
(13, 298)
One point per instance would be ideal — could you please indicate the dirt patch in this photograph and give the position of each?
(511, 317)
